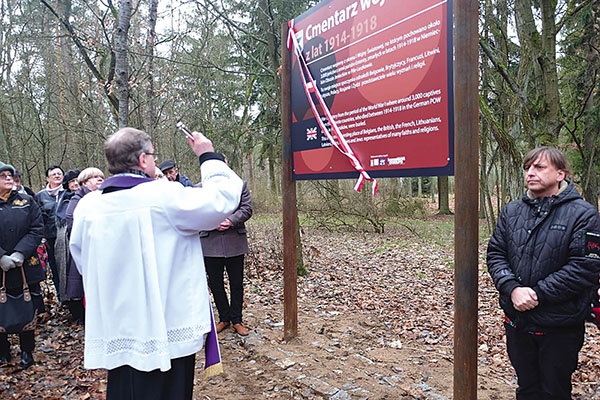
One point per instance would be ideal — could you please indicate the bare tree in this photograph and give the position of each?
(150, 43)
(121, 61)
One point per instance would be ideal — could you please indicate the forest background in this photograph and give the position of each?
(73, 72)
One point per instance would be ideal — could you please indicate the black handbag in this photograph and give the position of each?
(17, 313)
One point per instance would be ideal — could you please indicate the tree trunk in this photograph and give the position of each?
(538, 68)
(590, 150)
(122, 64)
(150, 121)
(443, 189)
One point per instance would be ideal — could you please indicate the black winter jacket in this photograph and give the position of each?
(21, 229)
(48, 204)
(540, 243)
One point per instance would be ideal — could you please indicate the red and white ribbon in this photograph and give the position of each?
(336, 138)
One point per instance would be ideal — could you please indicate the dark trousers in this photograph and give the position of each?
(544, 363)
(50, 242)
(229, 311)
(26, 342)
(77, 310)
(128, 383)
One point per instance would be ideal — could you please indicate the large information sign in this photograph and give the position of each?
(383, 70)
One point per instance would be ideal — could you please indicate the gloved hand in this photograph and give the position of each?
(18, 258)
(6, 263)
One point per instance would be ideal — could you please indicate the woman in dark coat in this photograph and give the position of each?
(21, 233)
(61, 246)
(89, 180)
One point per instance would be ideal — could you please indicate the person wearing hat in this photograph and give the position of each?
(21, 233)
(10, 174)
(70, 185)
(18, 185)
(170, 170)
(61, 246)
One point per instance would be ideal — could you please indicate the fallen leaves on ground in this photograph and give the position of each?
(375, 315)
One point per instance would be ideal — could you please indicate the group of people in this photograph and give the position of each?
(132, 251)
(58, 201)
(42, 220)
(145, 253)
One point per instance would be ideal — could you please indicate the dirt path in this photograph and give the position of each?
(375, 321)
(335, 356)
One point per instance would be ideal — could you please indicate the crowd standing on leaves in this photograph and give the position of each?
(538, 260)
(146, 326)
(135, 243)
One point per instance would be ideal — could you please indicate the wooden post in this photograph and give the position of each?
(466, 228)
(290, 210)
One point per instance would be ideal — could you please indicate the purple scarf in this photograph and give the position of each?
(212, 353)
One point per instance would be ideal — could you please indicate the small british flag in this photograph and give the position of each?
(311, 133)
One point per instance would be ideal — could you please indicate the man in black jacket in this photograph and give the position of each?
(538, 261)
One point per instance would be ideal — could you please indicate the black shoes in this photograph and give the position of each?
(4, 359)
(26, 359)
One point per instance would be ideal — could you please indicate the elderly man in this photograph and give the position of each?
(135, 243)
(171, 172)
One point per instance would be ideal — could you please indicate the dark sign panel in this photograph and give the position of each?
(384, 71)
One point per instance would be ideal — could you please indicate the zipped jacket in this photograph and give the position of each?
(540, 243)
(48, 204)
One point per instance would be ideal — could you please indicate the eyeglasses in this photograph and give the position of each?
(154, 155)
(6, 176)
(56, 174)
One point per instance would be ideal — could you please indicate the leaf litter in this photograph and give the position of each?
(375, 321)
